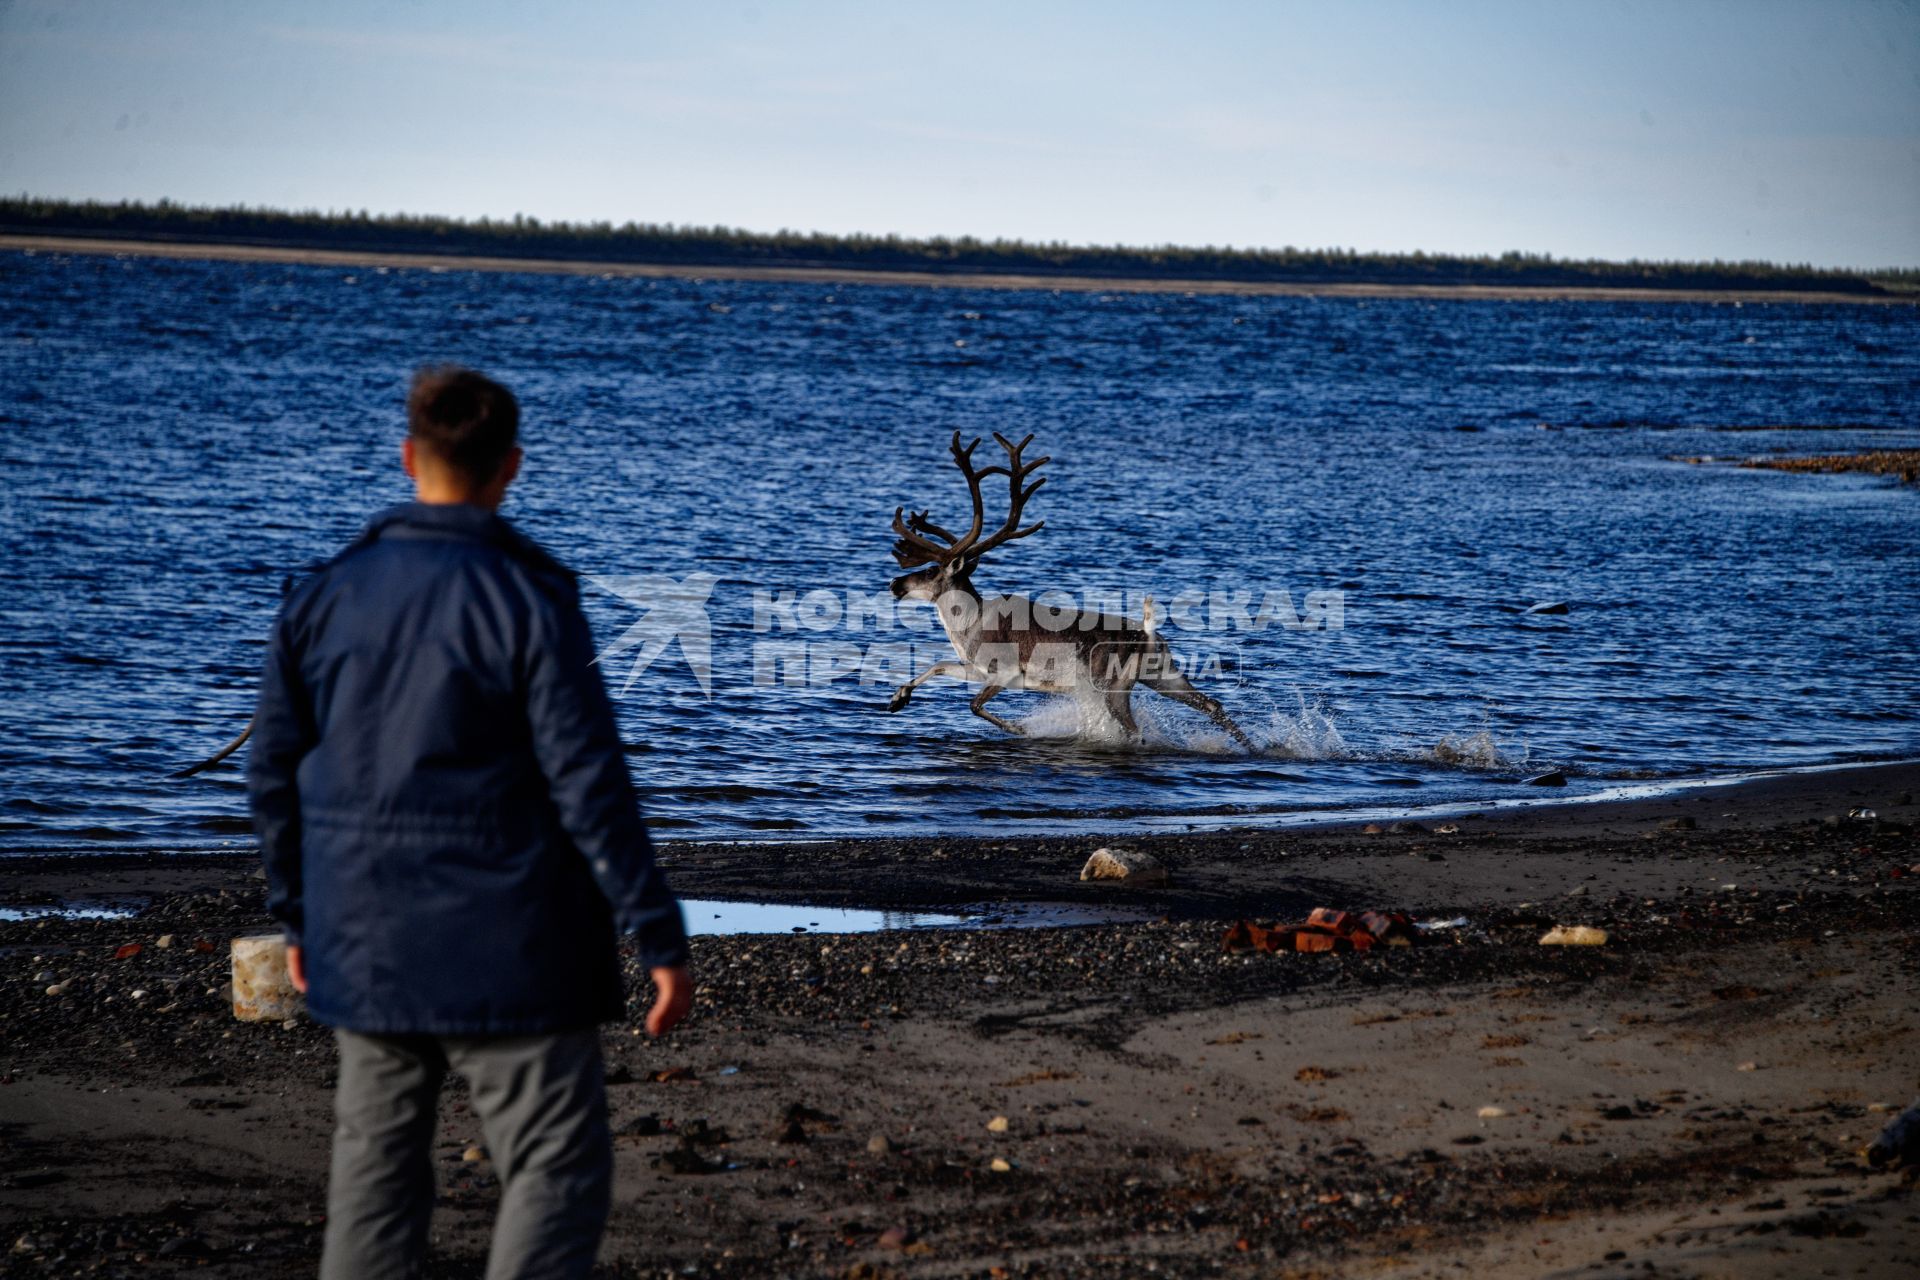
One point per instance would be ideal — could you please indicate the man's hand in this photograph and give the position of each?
(673, 988)
(296, 969)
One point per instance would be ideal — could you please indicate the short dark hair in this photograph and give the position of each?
(465, 419)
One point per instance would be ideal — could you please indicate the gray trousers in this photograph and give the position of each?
(542, 1105)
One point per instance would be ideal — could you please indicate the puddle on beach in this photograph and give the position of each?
(69, 911)
(715, 916)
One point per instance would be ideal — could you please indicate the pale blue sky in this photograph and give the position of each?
(1614, 128)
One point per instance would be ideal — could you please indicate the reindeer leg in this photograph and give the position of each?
(1120, 707)
(980, 709)
(904, 693)
(1176, 686)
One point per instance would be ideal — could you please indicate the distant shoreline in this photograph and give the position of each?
(228, 252)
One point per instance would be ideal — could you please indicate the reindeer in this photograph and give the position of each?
(1000, 641)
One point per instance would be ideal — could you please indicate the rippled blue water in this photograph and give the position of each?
(177, 437)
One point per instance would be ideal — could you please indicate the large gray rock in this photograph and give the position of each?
(1129, 866)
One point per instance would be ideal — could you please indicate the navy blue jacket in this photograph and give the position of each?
(440, 792)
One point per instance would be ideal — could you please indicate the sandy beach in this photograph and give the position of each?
(1690, 1099)
(932, 279)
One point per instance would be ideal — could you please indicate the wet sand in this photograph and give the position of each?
(933, 279)
(1690, 1099)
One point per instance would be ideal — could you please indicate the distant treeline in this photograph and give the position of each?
(668, 245)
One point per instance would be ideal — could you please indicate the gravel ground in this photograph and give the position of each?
(1689, 1099)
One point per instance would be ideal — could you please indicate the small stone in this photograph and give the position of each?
(1447, 829)
(138, 993)
(1000, 1166)
(878, 1144)
(164, 941)
(1492, 1113)
(45, 975)
(1879, 1106)
(473, 1155)
(1372, 829)
(57, 989)
(1682, 823)
(1574, 935)
(1580, 892)
(1748, 1066)
(998, 1124)
(895, 1238)
(1129, 866)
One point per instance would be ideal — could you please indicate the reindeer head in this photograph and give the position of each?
(950, 560)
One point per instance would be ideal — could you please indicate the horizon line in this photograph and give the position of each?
(531, 222)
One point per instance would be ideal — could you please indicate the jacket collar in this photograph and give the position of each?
(460, 520)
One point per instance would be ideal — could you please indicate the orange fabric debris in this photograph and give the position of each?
(1325, 929)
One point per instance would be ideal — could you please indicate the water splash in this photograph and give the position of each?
(1168, 726)
(1306, 733)
(1080, 716)
(1478, 750)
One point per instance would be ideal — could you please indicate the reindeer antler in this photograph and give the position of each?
(1018, 492)
(914, 547)
(919, 523)
(911, 549)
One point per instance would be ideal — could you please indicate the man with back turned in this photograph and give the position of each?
(451, 841)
